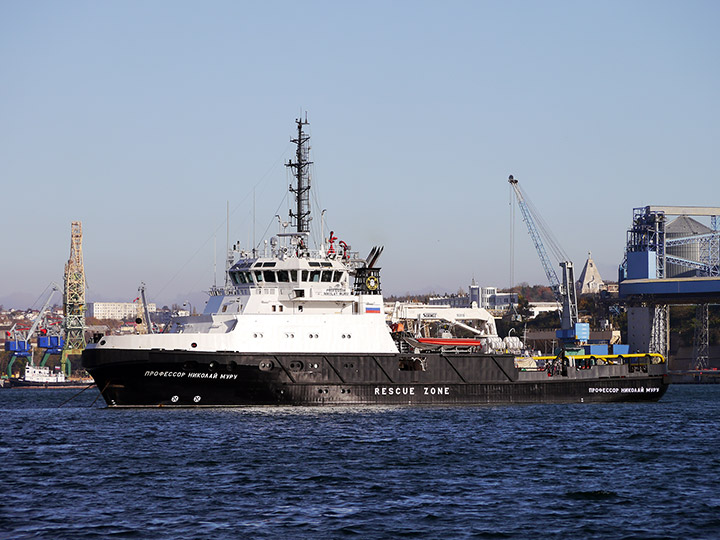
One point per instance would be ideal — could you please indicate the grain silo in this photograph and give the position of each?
(683, 227)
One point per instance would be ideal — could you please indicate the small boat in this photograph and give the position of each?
(44, 377)
(450, 342)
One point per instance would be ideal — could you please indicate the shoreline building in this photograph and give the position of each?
(590, 281)
(485, 297)
(115, 310)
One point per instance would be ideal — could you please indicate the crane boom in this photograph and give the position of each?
(55, 288)
(552, 276)
(564, 291)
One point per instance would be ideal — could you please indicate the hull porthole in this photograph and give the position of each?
(266, 365)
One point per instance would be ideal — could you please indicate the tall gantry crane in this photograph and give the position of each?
(74, 299)
(540, 233)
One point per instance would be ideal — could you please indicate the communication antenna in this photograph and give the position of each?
(227, 246)
(301, 171)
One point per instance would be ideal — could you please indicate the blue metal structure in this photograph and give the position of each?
(52, 344)
(18, 347)
(672, 290)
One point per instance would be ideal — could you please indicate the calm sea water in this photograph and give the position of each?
(534, 471)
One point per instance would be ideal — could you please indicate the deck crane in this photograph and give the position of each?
(143, 321)
(564, 291)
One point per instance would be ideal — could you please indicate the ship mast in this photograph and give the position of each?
(301, 171)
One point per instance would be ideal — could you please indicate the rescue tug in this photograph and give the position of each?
(302, 326)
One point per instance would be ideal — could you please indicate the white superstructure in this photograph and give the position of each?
(291, 301)
(38, 374)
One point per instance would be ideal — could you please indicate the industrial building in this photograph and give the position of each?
(665, 263)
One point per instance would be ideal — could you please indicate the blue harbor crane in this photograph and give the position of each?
(564, 290)
(18, 339)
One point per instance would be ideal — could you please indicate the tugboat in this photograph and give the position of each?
(302, 326)
(42, 377)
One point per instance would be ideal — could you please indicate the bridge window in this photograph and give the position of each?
(315, 276)
(304, 275)
(269, 276)
(283, 276)
(337, 276)
(293, 275)
(258, 276)
(326, 275)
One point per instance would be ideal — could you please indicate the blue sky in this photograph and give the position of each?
(144, 120)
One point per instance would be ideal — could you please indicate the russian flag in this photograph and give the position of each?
(369, 309)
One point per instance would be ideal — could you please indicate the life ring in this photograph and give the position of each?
(371, 282)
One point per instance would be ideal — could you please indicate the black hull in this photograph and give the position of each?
(188, 379)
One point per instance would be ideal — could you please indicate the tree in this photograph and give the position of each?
(523, 308)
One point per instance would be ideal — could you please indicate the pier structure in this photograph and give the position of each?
(668, 263)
